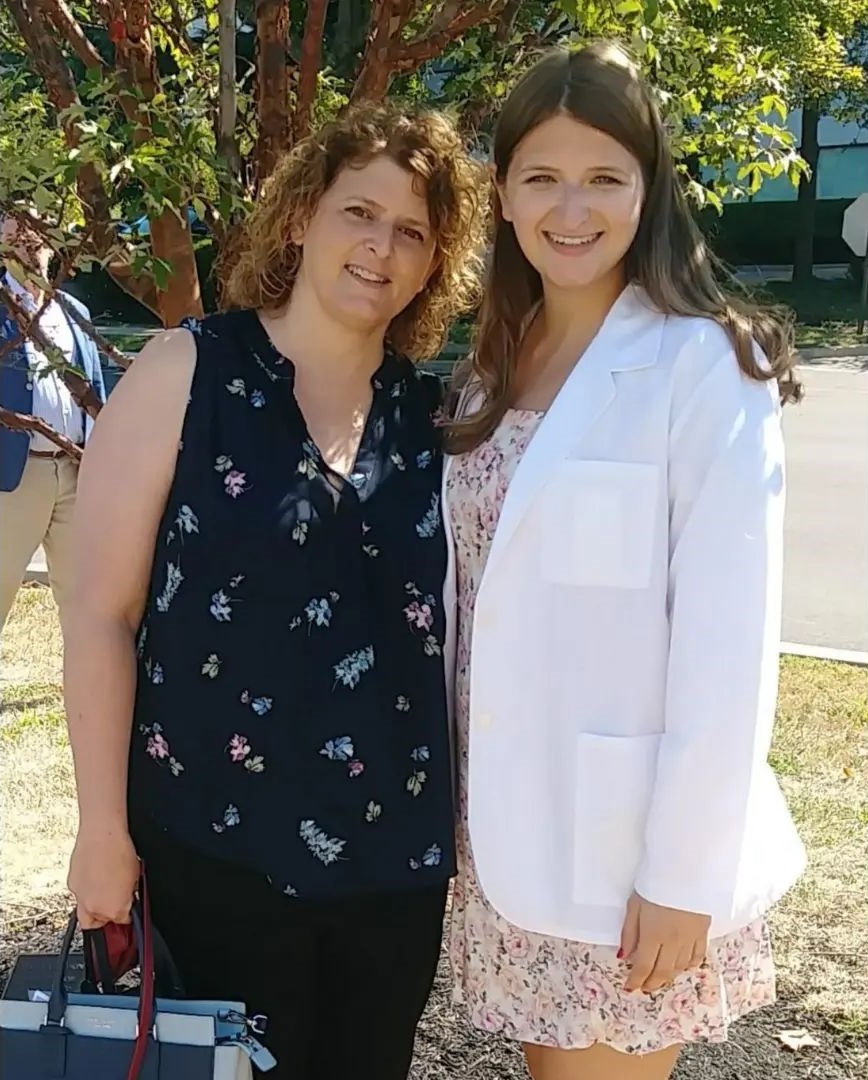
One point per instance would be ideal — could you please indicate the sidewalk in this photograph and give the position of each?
(37, 570)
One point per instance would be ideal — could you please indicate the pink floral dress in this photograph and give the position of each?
(546, 990)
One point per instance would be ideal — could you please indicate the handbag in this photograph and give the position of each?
(121, 1036)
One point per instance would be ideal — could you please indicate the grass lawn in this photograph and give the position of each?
(827, 312)
(821, 929)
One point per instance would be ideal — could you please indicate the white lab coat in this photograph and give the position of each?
(625, 644)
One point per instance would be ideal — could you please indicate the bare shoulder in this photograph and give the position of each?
(155, 388)
(163, 366)
(144, 415)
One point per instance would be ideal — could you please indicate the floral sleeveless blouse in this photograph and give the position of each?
(290, 711)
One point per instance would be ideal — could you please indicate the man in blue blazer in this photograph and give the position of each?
(38, 480)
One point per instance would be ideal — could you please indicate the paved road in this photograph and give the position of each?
(826, 560)
(826, 571)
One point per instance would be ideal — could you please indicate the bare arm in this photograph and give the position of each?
(125, 478)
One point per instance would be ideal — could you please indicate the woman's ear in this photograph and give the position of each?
(297, 233)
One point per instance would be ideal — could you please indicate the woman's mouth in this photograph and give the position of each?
(367, 277)
(571, 245)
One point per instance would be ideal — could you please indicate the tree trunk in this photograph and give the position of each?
(803, 255)
(227, 144)
(311, 52)
(171, 238)
(172, 241)
(272, 84)
(387, 22)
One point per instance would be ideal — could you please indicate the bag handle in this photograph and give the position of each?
(140, 916)
(110, 952)
(58, 999)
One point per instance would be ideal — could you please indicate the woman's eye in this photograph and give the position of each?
(360, 212)
(605, 180)
(414, 234)
(540, 178)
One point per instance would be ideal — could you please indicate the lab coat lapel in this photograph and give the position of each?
(628, 339)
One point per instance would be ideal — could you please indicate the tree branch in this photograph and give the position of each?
(176, 34)
(412, 54)
(227, 142)
(507, 22)
(311, 51)
(82, 390)
(60, 87)
(444, 16)
(70, 29)
(16, 421)
(122, 359)
(388, 19)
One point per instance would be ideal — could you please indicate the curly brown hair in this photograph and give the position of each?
(265, 261)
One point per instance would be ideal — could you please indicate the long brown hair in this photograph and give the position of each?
(600, 86)
(264, 262)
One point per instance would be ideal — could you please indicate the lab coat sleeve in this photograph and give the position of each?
(726, 510)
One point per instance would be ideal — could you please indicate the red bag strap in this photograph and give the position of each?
(146, 993)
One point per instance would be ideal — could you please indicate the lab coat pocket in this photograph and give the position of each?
(614, 780)
(598, 524)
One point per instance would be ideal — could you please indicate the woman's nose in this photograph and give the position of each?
(574, 207)
(381, 239)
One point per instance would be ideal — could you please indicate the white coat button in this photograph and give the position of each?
(484, 720)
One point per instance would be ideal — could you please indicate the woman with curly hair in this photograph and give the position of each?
(254, 670)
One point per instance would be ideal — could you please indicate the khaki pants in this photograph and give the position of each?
(38, 511)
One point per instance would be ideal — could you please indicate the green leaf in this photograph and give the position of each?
(44, 200)
(772, 103)
(795, 172)
(712, 199)
(162, 273)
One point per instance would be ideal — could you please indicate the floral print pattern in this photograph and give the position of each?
(545, 990)
(291, 621)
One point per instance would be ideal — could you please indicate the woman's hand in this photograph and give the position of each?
(103, 875)
(659, 943)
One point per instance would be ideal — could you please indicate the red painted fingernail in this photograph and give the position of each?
(620, 954)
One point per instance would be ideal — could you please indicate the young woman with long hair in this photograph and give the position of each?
(615, 507)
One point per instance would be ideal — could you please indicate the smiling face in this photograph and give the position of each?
(574, 197)
(369, 247)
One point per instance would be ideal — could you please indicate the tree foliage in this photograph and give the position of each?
(126, 121)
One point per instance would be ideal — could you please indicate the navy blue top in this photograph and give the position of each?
(290, 710)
